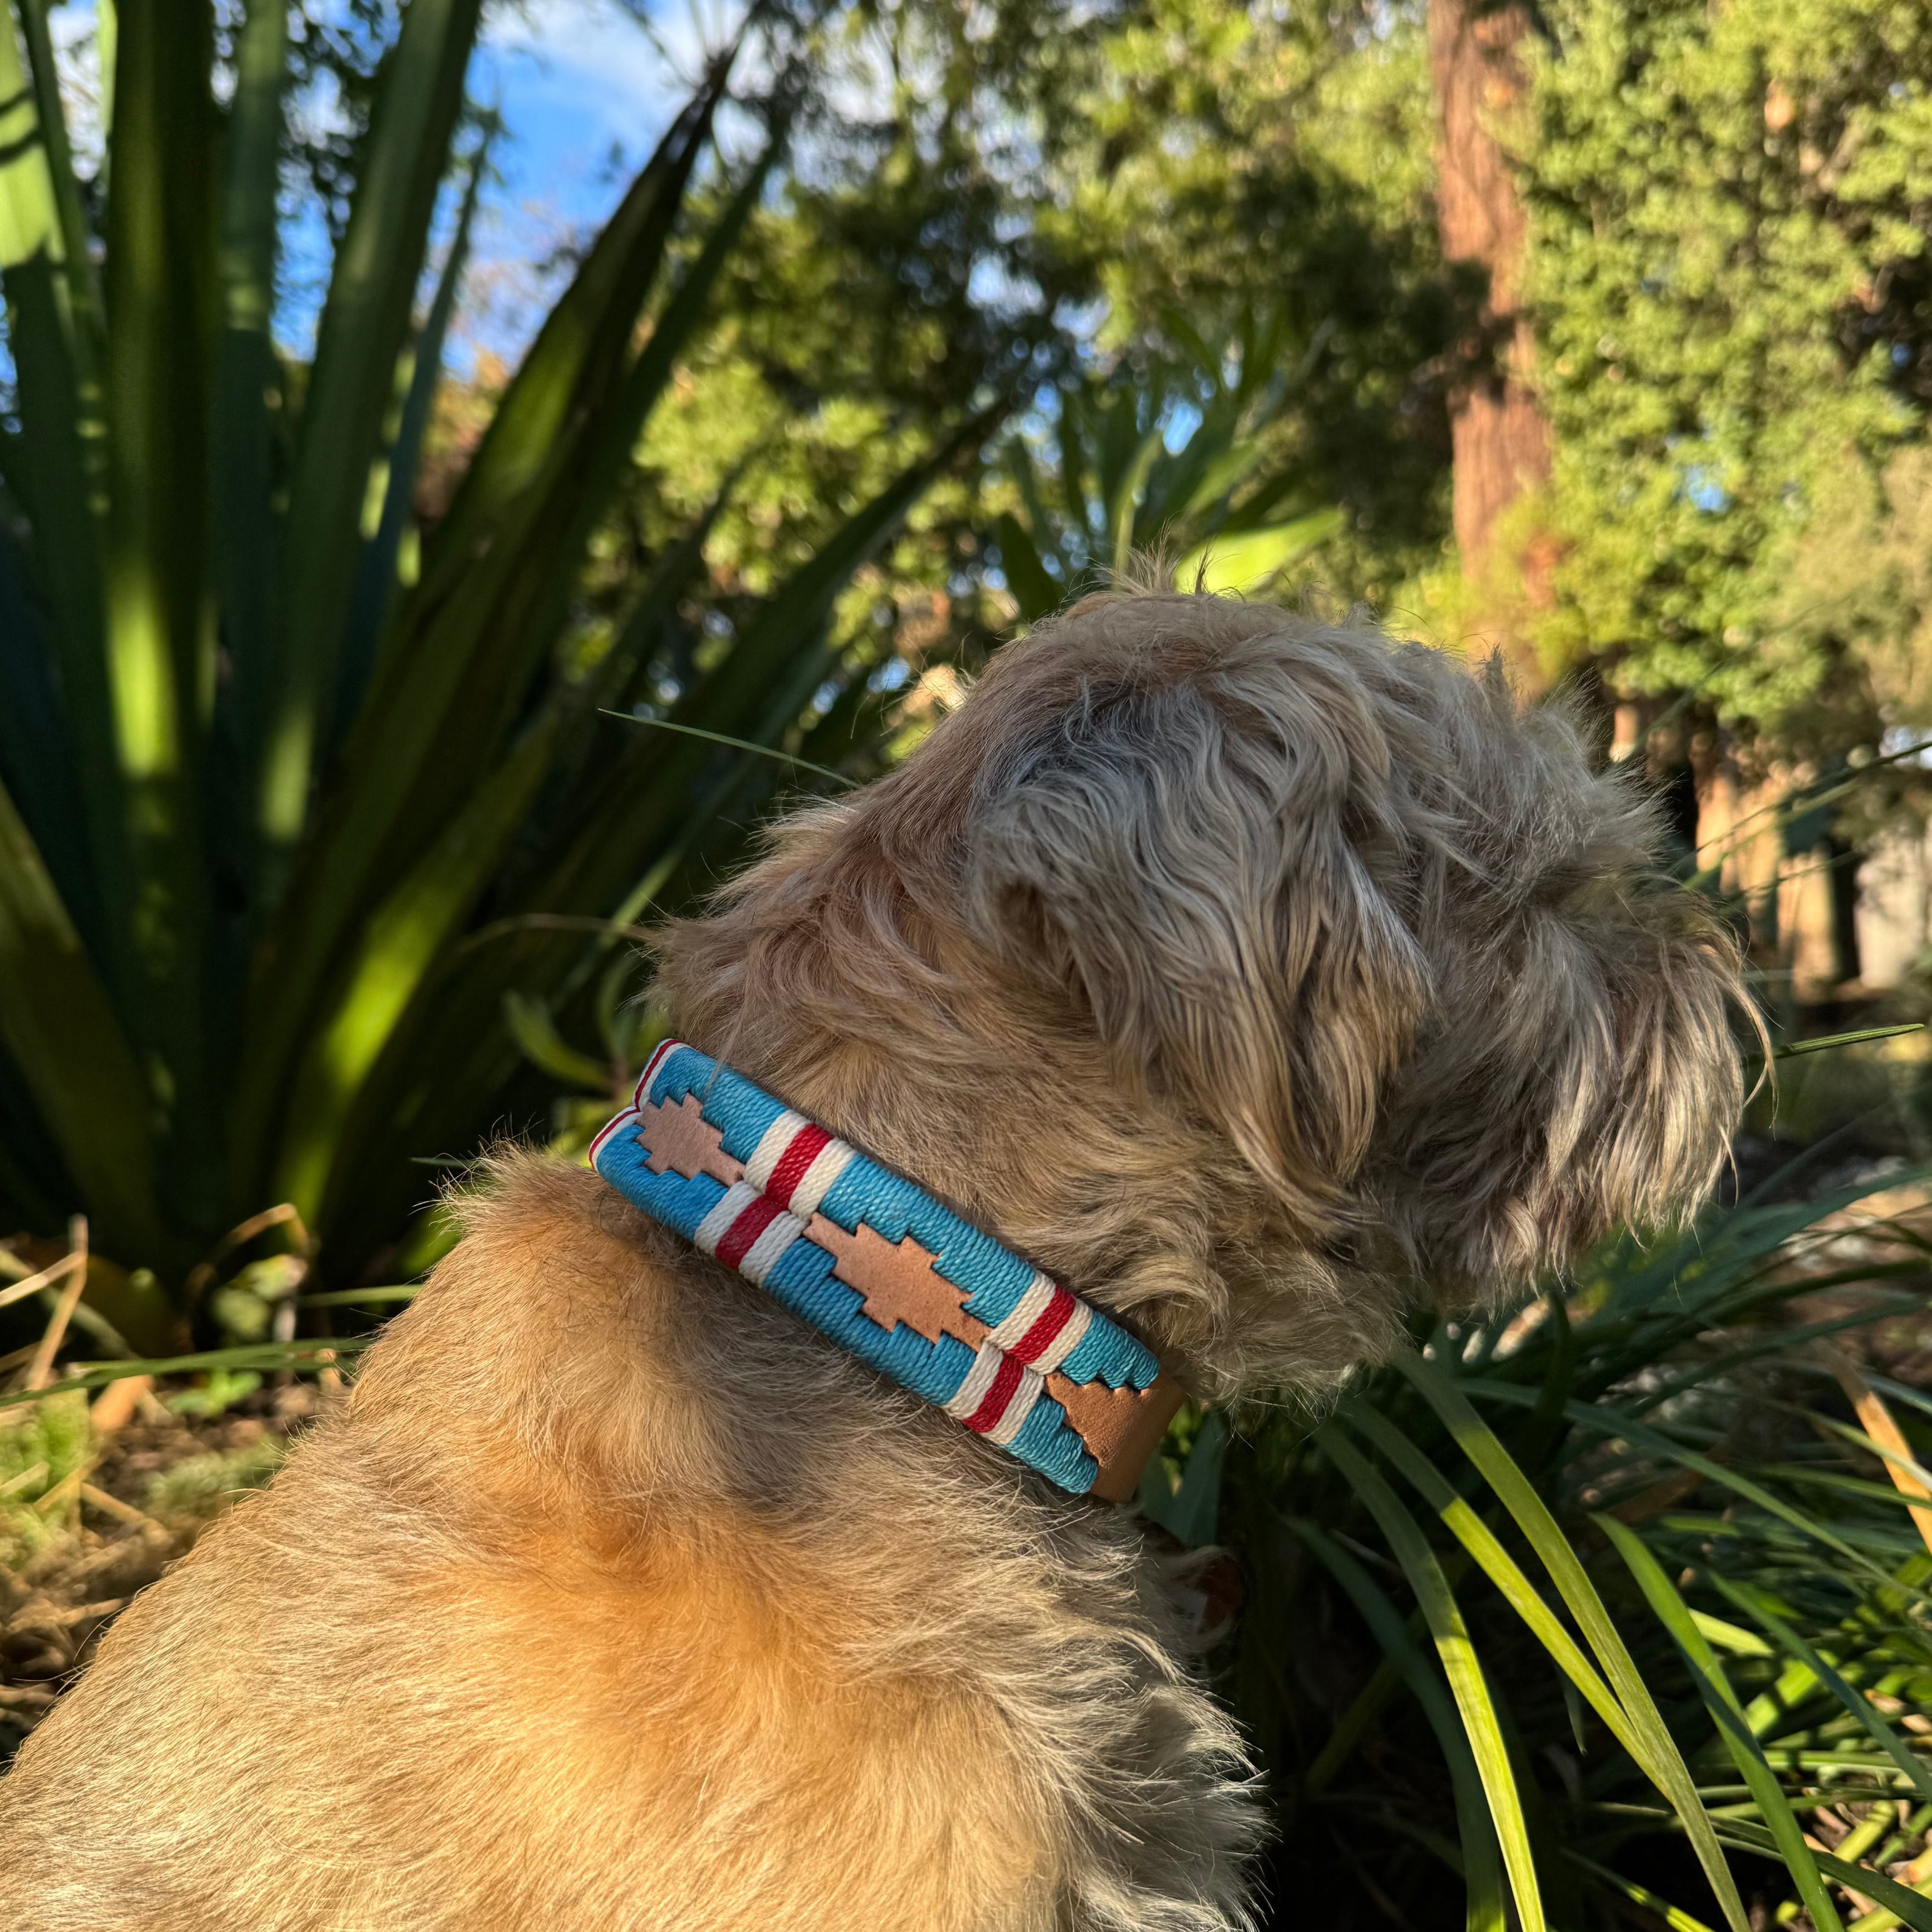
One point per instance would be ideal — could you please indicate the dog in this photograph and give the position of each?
(1249, 975)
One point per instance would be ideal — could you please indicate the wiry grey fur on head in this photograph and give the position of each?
(1242, 968)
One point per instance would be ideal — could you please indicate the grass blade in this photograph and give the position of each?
(1755, 1604)
(1830, 1042)
(1673, 1916)
(736, 744)
(1727, 1713)
(1476, 1537)
(1482, 1866)
(1554, 1550)
(1466, 1680)
(299, 1357)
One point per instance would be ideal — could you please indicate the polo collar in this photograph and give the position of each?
(889, 1273)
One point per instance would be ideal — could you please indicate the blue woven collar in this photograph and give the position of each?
(872, 1260)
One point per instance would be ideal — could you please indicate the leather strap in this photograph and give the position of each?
(873, 1261)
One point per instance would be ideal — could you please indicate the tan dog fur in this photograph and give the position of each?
(1236, 970)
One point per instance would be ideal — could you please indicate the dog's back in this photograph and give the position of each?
(544, 1645)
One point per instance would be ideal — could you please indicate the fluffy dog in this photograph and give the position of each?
(1240, 971)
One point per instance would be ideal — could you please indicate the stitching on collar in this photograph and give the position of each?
(875, 1262)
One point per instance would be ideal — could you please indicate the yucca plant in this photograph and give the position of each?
(1619, 1611)
(292, 792)
(1167, 451)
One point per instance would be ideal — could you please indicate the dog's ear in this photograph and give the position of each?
(1187, 858)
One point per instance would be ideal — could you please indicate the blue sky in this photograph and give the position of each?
(574, 79)
(584, 90)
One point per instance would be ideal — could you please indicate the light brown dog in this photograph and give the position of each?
(1237, 970)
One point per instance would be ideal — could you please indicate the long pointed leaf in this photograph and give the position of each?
(358, 340)
(60, 1031)
(581, 351)
(1483, 1868)
(456, 665)
(246, 529)
(34, 764)
(1476, 1537)
(400, 945)
(1868, 1717)
(1478, 1441)
(52, 469)
(161, 328)
(1466, 1680)
(1721, 1701)
(1897, 1903)
(76, 255)
(376, 581)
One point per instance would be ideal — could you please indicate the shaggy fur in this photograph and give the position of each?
(1239, 970)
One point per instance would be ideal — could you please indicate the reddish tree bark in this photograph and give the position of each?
(1501, 441)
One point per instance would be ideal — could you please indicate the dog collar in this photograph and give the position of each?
(873, 1261)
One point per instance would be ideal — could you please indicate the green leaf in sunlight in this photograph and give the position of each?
(1482, 1872)
(1476, 1537)
(162, 315)
(1659, 1757)
(363, 323)
(1247, 561)
(454, 670)
(1757, 1604)
(1898, 1903)
(1727, 1713)
(399, 945)
(1673, 1916)
(1474, 1698)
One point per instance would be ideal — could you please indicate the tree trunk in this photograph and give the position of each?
(1500, 440)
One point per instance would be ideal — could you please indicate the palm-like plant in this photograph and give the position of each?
(1170, 452)
(284, 806)
(1616, 1613)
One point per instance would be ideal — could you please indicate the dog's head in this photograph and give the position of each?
(1243, 970)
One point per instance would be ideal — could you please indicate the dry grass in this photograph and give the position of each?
(88, 1517)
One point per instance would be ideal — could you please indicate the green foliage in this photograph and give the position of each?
(1083, 195)
(1678, 1614)
(286, 798)
(199, 1486)
(1171, 455)
(1728, 208)
(40, 1454)
(1220, 159)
